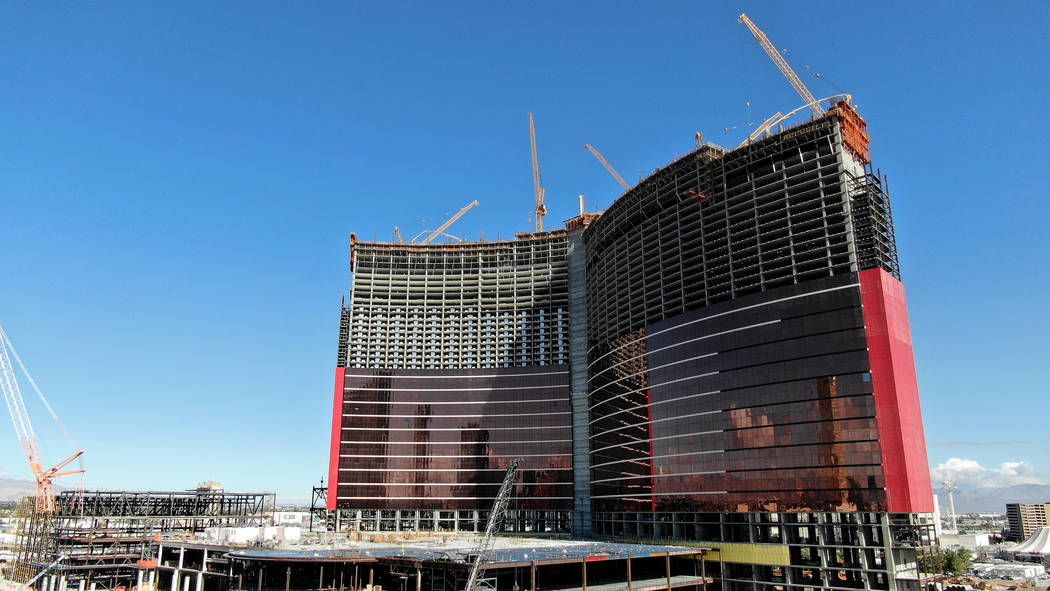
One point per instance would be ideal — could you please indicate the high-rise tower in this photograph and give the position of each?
(723, 356)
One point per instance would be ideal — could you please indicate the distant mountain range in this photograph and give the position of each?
(994, 500)
(11, 489)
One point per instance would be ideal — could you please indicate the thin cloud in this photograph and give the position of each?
(971, 474)
(950, 442)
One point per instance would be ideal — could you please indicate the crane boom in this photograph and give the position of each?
(45, 494)
(17, 407)
(762, 128)
(450, 221)
(499, 508)
(785, 68)
(607, 166)
(541, 208)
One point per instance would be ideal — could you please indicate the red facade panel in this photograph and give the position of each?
(901, 437)
(337, 428)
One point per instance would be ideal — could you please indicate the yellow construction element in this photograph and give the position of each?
(541, 193)
(772, 554)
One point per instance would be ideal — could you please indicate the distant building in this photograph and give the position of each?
(295, 518)
(1024, 518)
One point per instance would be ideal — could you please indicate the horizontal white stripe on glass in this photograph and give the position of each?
(657, 439)
(650, 476)
(451, 442)
(695, 414)
(449, 469)
(442, 456)
(647, 457)
(677, 494)
(527, 414)
(650, 369)
(517, 401)
(685, 379)
(453, 429)
(686, 342)
(492, 389)
(440, 499)
(641, 406)
(726, 313)
(344, 483)
(455, 377)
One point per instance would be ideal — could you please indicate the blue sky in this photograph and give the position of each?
(180, 182)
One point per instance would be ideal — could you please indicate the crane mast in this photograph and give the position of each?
(607, 166)
(45, 493)
(541, 208)
(499, 508)
(785, 68)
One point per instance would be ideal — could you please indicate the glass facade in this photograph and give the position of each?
(729, 365)
(453, 361)
(727, 361)
(427, 439)
(764, 403)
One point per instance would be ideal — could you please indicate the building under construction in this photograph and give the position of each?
(714, 376)
(722, 357)
(107, 539)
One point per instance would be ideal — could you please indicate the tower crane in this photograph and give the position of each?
(607, 166)
(397, 232)
(541, 193)
(45, 492)
(785, 68)
(441, 230)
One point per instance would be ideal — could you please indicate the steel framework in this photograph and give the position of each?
(106, 534)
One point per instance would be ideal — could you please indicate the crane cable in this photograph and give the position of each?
(14, 353)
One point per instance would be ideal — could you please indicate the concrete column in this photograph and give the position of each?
(532, 576)
(185, 584)
(152, 576)
(200, 581)
(82, 585)
(174, 580)
(583, 574)
(667, 568)
(419, 579)
(628, 572)
(138, 580)
(288, 579)
(581, 521)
